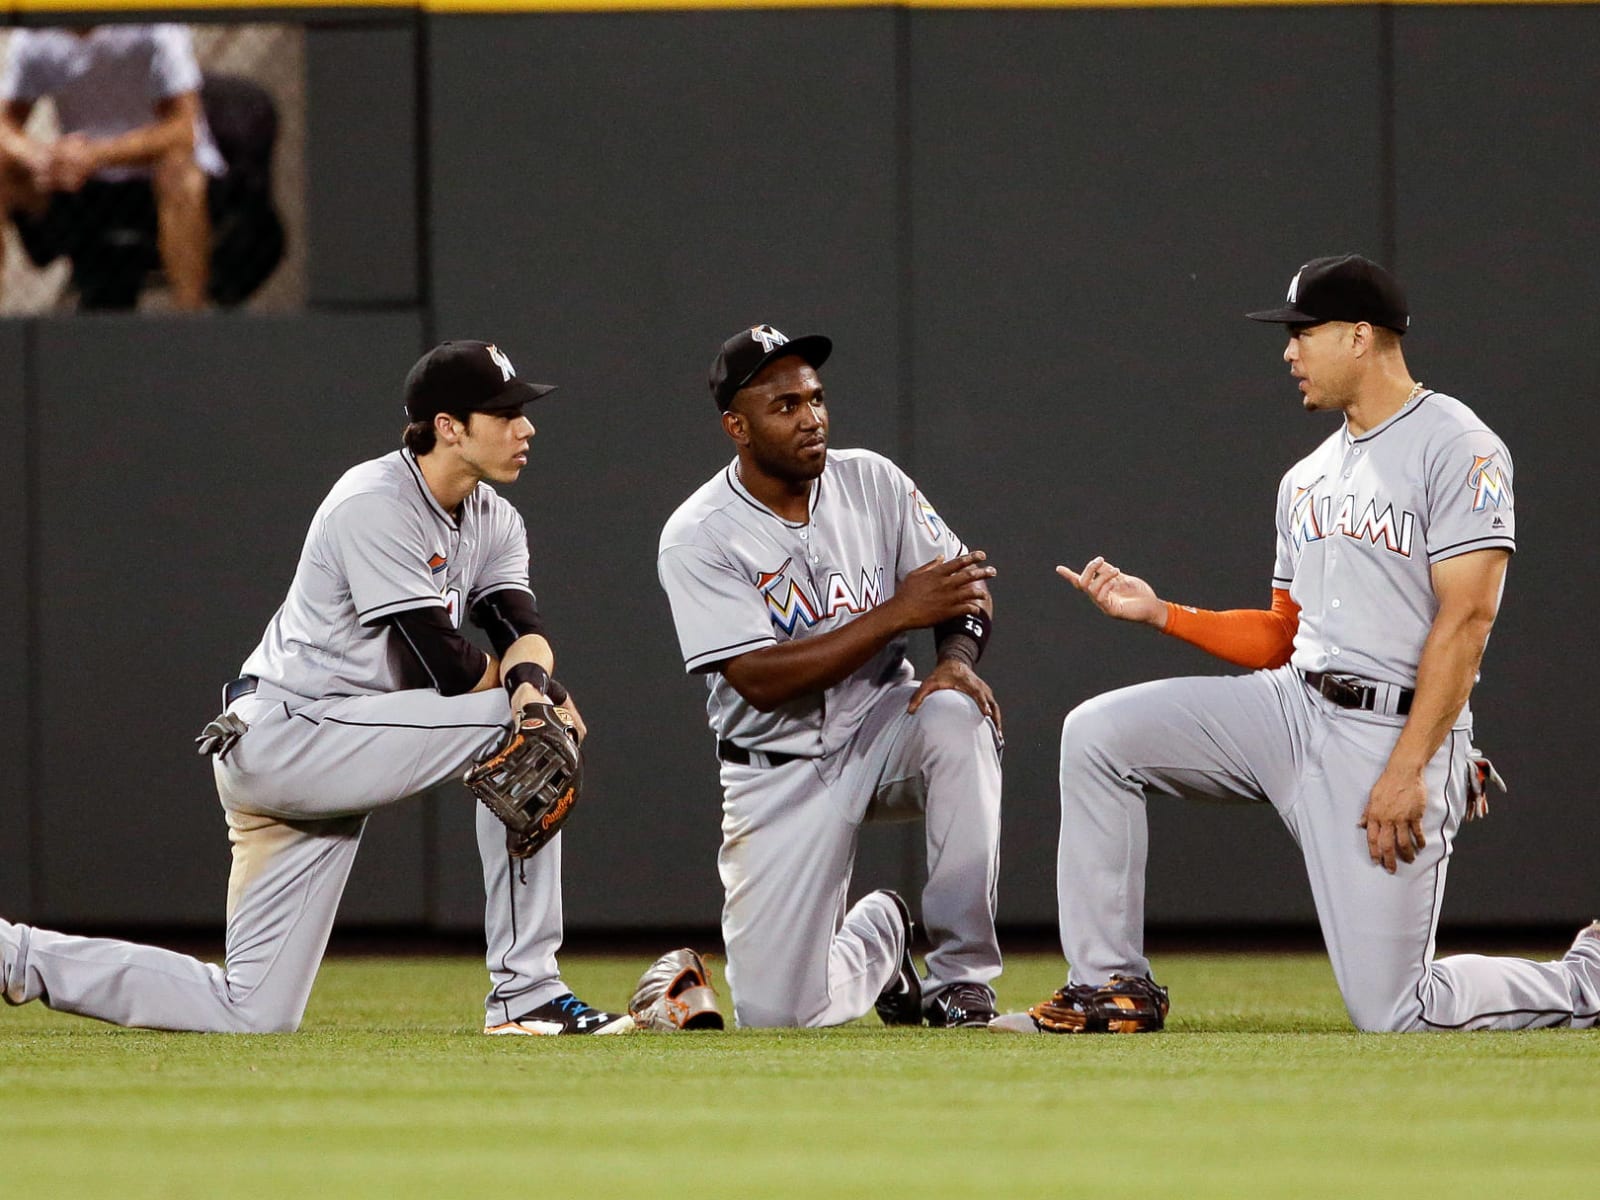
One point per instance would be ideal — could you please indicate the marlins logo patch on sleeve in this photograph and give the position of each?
(1488, 484)
(930, 520)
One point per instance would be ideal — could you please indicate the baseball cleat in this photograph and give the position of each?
(564, 1014)
(963, 1006)
(1125, 1004)
(901, 1002)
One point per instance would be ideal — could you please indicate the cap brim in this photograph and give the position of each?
(813, 347)
(1285, 316)
(515, 394)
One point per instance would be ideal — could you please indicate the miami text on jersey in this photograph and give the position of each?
(789, 607)
(1487, 483)
(1312, 518)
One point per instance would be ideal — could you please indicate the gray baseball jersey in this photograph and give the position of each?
(739, 579)
(1360, 521)
(333, 734)
(379, 545)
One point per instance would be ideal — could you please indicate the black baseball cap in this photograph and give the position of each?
(744, 355)
(467, 377)
(1345, 287)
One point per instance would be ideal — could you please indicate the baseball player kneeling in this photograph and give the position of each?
(1393, 538)
(364, 692)
(795, 575)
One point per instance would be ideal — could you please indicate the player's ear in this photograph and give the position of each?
(444, 428)
(735, 426)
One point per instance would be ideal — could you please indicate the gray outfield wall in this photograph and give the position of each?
(1031, 235)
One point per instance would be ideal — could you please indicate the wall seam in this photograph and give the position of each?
(33, 674)
(911, 852)
(427, 325)
(1388, 186)
(905, 230)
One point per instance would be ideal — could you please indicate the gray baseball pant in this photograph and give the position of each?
(296, 791)
(1268, 737)
(796, 956)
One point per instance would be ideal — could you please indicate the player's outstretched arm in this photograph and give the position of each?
(934, 592)
(1247, 637)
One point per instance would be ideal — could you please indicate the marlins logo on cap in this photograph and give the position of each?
(1344, 287)
(467, 377)
(743, 356)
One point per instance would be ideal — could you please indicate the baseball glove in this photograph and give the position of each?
(1127, 1004)
(533, 781)
(676, 993)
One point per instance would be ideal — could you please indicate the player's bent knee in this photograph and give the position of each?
(1093, 727)
(251, 1017)
(766, 1016)
(1379, 1015)
(270, 1022)
(949, 713)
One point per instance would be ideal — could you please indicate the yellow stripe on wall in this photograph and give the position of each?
(626, 6)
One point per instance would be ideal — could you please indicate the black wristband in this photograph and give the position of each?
(557, 693)
(963, 635)
(527, 672)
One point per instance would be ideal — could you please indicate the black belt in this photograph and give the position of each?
(741, 757)
(238, 688)
(1347, 692)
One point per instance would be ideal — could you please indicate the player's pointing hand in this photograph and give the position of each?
(1126, 597)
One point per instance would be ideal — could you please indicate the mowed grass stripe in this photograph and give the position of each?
(1259, 1088)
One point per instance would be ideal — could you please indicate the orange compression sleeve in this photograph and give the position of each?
(1250, 637)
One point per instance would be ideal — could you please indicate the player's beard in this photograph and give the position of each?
(789, 465)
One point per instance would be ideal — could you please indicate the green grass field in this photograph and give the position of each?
(1258, 1088)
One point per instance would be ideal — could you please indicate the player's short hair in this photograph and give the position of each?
(419, 437)
(1384, 338)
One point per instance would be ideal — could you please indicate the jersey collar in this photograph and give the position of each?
(1406, 410)
(731, 475)
(428, 497)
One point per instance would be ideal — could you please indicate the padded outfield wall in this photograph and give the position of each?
(1031, 231)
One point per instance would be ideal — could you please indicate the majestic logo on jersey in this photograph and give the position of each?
(1487, 482)
(1312, 518)
(930, 521)
(791, 607)
(769, 338)
(507, 371)
(437, 564)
